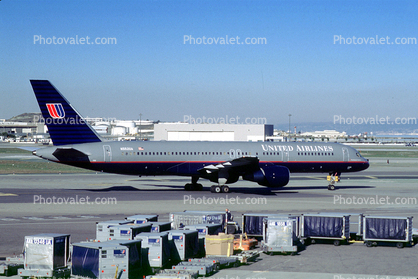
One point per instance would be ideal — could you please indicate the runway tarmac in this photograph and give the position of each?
(31, 204)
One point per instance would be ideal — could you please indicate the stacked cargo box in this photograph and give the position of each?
(181, 219)
(112, 230)
(109, 259)
(184, 244)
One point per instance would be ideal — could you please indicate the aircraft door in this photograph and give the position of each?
(285, 156)
(107, 153)
(345, 154)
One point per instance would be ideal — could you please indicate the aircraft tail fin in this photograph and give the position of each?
(65, 124)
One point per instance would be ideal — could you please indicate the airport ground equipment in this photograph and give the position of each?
(172, 273)
(46, 255)
(244, 244)
(387, 229)
(244, 257)
(219, 262)
(184, 244)
(325, 226)
(280, 235)
(181, 219)
(108, 259)
(205, 229)
(252, 223)
(102, 228)
(140, 218)
(122, 232)
(156, 249)
(10, 265)
(204, 269)
(160, 226)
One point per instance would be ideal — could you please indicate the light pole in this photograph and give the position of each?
(289, 125)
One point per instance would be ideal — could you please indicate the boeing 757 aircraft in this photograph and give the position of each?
(268, 163)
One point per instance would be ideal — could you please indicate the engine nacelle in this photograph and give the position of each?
(270, 176)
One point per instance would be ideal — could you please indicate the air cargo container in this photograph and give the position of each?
(181, 219)
(280, 235)
(46, 255)
(108, 259)
(387, 229)
(139, 219)
(326, 226)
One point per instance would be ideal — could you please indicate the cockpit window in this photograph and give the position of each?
(358, 155)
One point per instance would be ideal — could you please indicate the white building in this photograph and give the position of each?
(211, 132)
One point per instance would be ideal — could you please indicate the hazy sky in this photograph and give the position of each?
(298, 69)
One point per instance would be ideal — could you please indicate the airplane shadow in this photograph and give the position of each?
(324, 188)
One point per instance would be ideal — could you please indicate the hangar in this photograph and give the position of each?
(212, 132)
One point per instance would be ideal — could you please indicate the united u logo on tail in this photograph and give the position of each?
(56, 110)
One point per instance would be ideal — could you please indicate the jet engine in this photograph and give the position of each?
(270, 176)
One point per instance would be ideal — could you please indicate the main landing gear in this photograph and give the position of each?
(194, 186)
(332, 178)
(219, 189)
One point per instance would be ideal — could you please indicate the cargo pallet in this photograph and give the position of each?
(45, 273)
(11, 265)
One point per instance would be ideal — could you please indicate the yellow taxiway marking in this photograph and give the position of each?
(7, 194)
(372, 177)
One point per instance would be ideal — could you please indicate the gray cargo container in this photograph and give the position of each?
(46, 255)
(326, 226)
(280, 235)
(387, 229)
(160, 226)
(102, 228)
(139, 219)
(205, 229)
(107, 259)
(181, 219)
(108, 232)
(184, 244)
(253, 223)
(157, 249)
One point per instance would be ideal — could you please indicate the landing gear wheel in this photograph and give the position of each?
(193, 187)
(331, 187)
(225, 189)
(215, 189)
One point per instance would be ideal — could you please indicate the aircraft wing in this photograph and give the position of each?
(232, 168)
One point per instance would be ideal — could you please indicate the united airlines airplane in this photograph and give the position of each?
(267, 163)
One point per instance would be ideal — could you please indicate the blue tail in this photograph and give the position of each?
(65, 124)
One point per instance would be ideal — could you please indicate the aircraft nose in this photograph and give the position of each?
(34, 152)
